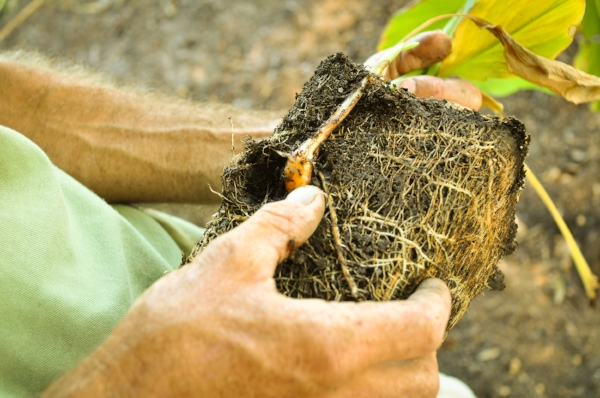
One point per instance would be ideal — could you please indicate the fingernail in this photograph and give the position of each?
(409, 84)
(304, 195)
(434, 285)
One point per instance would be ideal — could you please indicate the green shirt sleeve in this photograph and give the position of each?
(70, 266)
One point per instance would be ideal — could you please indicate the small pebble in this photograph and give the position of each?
(504, 391)
(489, 354)
(540, 388)
(515, 366)
(340, 90)
(552, 175)
(578, 155)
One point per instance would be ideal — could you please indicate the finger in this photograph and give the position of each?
(459, 91)
(268, 237)
(433, 47)
(414, 378)
(359, 335)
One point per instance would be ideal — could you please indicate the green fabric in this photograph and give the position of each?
(70, 266)
(184, 233)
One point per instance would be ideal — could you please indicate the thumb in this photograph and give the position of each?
(267, 238)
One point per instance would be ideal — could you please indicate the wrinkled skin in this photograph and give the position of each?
(127, 147)
(219, 328)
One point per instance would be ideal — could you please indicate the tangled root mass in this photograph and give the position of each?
(416, 189)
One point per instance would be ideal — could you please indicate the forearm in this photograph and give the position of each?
(125, 146)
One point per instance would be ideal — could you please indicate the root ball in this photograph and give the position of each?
(416, 189)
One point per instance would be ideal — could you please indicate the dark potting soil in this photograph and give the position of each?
(416, 189)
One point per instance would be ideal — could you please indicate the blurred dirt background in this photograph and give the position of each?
(539, 337)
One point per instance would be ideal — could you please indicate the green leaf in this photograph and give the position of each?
(591, 20)
(506, 87)
(410, 17)
(453, 23)
(588, 60)
(545, 27)
(3, 7)
(588, 57)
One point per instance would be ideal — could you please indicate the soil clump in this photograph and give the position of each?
(416, 189)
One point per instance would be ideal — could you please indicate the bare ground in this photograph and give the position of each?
(538, 338)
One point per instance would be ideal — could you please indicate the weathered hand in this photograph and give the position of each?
(434, 47)
(219, 328)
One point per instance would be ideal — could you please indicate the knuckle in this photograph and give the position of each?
(396, 68)
(438, 88)
(324, 371)
(324, 361)
(334, 371)
(412, 62)
(465, 93)
(430, 87)
(331, 370)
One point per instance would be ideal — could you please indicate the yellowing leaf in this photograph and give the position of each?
(546, 27)
(489, 102)
(413, 15)
(574, 85)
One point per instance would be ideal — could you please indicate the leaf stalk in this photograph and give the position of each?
(299, 168)
(589, 280)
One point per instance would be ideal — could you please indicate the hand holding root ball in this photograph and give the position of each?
(433, 48)
(219, 328)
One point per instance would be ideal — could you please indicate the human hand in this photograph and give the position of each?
(433, 48)
(219, 328)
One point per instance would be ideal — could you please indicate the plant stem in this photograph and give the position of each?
(391, 54)
(299, 168)
(20, 18)
(429, 22)
(590, 281)
(452, 24)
